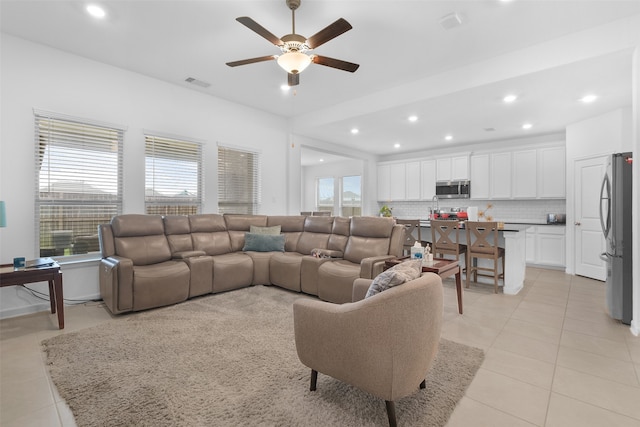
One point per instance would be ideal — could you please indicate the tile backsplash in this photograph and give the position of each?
(502, 210)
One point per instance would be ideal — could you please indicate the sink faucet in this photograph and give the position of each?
(434, 199)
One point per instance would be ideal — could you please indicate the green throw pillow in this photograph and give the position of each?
(263, 242)
(254, 229)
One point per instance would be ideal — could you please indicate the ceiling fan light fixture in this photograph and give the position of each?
(294, 62)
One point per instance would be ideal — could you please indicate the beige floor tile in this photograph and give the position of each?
(531, 371)
(21, 398)
(542, 308)
(597, 305)
(508, 395)
(566, 412)
(66, 416)
(613, 396)
(608, 329)
(525, 346)
(485, 319)
(600, 366)
(634, 348)
(587, 315)
(472, 413)
(534, 330)
(533, 316)
(546, 298)
(47, 416)
(467, 333)
(21, 366)
(598, 345)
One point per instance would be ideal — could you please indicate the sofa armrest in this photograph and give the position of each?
(360, 289)
(369, 266)
(116, 283)
(188, 254)
(309, 266)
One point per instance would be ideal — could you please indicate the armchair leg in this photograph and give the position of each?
(423, 384)
(391, 413)
(314, 380)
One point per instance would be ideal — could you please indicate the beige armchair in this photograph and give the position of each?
(383, 345)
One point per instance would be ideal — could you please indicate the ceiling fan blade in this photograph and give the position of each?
(330, 32)
(293, 79)
(251, 60)
(259, 29)
(335, 63)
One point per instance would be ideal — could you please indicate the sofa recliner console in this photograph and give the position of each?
(151, 261)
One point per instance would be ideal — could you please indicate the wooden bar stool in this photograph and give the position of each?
(445, 236)
(482, 242)
(410, 226)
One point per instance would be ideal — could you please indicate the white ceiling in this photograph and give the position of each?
(548, 52)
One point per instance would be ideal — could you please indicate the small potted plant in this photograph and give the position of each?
(386, 211)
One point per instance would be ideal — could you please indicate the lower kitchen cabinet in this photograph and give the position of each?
(545, 246)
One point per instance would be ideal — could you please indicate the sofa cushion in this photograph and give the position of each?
(396, 275)
(263, 242)
(274, 230)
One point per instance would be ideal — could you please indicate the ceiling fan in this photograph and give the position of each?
(295, 58)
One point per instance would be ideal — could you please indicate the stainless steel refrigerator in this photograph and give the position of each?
(615, 218)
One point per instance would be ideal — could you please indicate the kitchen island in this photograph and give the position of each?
(513, 239)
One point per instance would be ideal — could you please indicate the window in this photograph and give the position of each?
(238, 181)
(351, 196)
(173, 176)
(78, 182)
(324, 194)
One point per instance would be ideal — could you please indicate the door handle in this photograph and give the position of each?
(577, 223)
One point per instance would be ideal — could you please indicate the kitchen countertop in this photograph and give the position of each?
(508, 226)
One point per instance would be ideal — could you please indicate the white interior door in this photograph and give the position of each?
(589, 240)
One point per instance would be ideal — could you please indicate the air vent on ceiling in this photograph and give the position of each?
(490, 129)
(197, 82)
(450, 21)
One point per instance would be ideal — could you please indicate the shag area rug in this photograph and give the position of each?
(228, 360)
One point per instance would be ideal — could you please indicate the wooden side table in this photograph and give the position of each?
(51, 274)
(442, 267)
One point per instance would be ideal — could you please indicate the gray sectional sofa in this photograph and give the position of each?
(151, 261)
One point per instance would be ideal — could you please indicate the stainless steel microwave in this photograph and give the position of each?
(453, 189)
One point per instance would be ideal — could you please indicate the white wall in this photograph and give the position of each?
(36, 76)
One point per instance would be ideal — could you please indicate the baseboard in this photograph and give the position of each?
(635, 328)
(43, 306)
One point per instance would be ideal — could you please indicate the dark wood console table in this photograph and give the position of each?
(442, 267)
(51, 274)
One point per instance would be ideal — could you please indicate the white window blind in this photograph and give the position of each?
(78, 182)
(173, 176)
(238, 181)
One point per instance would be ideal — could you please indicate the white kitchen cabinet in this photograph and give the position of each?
(452, 168)
(412, 180)
(397, 181)
(428, 179)
(480, 177)
(460, 168)
(443, 169)
(384, 183)
(545, 246)
(551, 172)
(500, 174)
(525, 169)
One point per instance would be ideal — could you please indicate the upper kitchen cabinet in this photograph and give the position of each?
(412, 180)
(454, 168)
(479, 176)
(384, 183)
(500, 173)
(525, 172)
(392, 182)
(428, 179)
(551, 172)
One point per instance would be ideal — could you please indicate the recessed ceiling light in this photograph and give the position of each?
(396, 145)
(354, 131)
(527, 126)
(588, 98)
(448, 137)
(413, 118)
(96, 11)
(285, 87)
(322, 160)
(509, 98)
